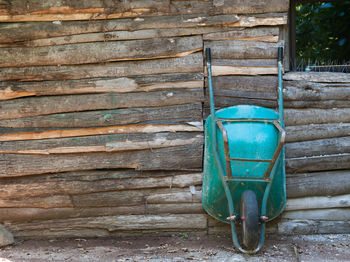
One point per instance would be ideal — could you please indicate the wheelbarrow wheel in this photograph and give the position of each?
(250, 219)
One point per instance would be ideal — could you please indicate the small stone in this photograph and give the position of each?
(6, 237)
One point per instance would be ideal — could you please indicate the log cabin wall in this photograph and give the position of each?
(102, 111)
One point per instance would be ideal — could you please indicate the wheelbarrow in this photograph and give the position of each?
(244, 166)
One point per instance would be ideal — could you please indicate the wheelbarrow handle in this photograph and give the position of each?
(280, 54)
(208, 55)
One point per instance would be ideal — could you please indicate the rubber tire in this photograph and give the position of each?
(250, 222)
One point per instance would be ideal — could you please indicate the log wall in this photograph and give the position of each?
(101, 131)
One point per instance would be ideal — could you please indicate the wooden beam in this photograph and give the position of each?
(47, 105)
(103, 118)
(333, 214)
(188, 64)
(319, 202)
(320, 77)
(100, 52)
(263, 34)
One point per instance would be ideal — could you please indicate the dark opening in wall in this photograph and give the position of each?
(320, 35)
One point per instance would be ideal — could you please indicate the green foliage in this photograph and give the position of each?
(323, 31)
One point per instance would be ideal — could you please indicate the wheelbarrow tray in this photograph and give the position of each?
(247, 140)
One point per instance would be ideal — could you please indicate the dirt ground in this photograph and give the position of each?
(181, 247)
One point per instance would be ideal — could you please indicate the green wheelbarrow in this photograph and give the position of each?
(244, 166)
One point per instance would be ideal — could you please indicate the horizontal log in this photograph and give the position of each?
(91, 200)
(319, 147)
(294, 117)
(52, 134)
(318, 184)
(173, 198)
(243, 70)
(317, 131)
(11, 90)
(333, 214)
(122, 222)
(320, 77)
(39, 214)
(236, 49)
(23, 33)
(221, 101)
(243, 94)
(184, 113)
(100, 52)
(244, 62)
(79, 10)
(187, 157)
(261, 84)
(302, 226)
(320, 202)
(318, 104)
(318, 163)
(302, 90)
(75, 187)
(37, 106)
(188, 64)
(251, 6)
(264, 34)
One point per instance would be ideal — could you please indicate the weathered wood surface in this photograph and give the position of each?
(100, 143)
(302, 90)
(177, 113)
(333, 214)
(236, 49)
(187, 157)
(318, 163)
(320, 77)
(63, 32)
(100, 52)
(329, 104)
(294, 117)
(243, 70)
(323, 202)
(188, 64)
(75, 187)
(222, 101)
(303, 226)
(127, 129)
(79, 10)
(252, 84)
(263, 34)
(318, 184)
(35, 214)
(317, 131)
(11, 90)
(27, 107)
(122, 222)
(319, 147)
(97, 10)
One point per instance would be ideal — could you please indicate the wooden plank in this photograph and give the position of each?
(236, 49)
(243, 70)
(179, 113)
(221, 101)
(327, 183)
(243, 94)
(317, 131)
(318, 104)
(92, 30)
(188, 64)
(294, 117)
(303, 226)
(79, 10)
(36, 214)
(62, 186)
(38, 202)
(318, 163)
(251, 6)
(187, 157)
(320, 77)
(11, 90)
(105, 143)
(100, 52)
(319, 147)
(122, 222)
(302, 90)
(36, 106)
(128, 129)
(320, 202)
(333, 214)
(266, 84)
(264, 34)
